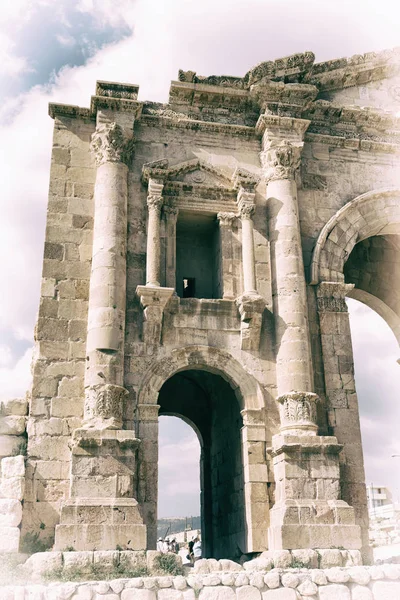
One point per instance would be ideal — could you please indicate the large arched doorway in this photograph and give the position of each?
(232, 395)
(207, 402)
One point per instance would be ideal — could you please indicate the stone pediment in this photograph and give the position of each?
(193, 172)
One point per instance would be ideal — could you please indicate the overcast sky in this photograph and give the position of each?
(54, 50)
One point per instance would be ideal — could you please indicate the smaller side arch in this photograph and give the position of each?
(215, 360)
(373, 213)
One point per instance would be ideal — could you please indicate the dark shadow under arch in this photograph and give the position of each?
(208, 403)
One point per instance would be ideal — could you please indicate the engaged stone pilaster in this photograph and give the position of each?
(171, 216)
(340, 392)
(226, 221)
(154, 204)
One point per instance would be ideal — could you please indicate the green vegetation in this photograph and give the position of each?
(32, 543)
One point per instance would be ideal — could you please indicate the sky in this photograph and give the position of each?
(54, 50)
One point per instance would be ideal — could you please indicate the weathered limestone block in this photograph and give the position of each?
(10, 445)
(9, 539)
(14, 406)
(135, 594)
(307, 588)
(12, 425)
(334, 592)
(280, 594)
(217, 593)
(13, 466)
(360, 592)
(10, 513)
(248, 592)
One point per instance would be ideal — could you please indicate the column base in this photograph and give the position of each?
(308, 512)
(100, 524)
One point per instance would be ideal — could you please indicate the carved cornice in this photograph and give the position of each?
(109, 144)
(280, 160)
(245, 179)
(231, 130)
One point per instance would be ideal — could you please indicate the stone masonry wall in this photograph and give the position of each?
(219, 580)
(56, 399)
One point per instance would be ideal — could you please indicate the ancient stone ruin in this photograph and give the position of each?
(197, 259)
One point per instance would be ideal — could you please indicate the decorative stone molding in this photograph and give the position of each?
(171, 210)
(109, 144)
(148, 412)
(251, 308)
(104, 406)
(155, 203)
(226, 219)
(154, 301)
(246, 203)
(331, 296)
(244, 179)
(298, 413)
(281, 159)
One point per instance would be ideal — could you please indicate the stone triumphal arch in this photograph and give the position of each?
(197, 259)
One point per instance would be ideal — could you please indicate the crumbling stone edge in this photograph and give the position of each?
(263, 578)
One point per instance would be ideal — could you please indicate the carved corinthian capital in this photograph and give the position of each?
(109, 144)
(226, 219)
(281, 159)
(154, 198)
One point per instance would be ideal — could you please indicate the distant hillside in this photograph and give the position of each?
(176, 524)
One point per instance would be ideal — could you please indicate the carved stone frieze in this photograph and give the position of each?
(298, 412)
(281, 159)
(104, 406)
(109, 144)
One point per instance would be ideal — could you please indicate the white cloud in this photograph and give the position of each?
(11, 64)
(66, 40)
(15, 381)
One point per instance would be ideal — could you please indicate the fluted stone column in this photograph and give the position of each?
(154, 204)
(104, 392)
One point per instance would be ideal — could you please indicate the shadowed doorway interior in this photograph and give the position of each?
(207, 403)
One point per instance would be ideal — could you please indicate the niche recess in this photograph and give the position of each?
(198, 272)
